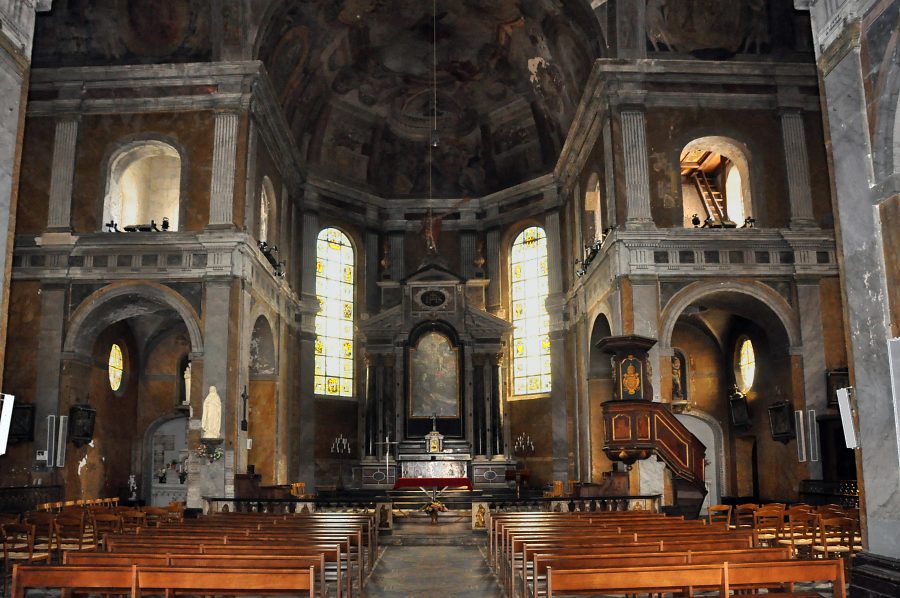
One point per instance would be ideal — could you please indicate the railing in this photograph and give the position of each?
(25, 498)
(821, 492)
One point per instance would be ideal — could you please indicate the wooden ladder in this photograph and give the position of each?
(713, 200)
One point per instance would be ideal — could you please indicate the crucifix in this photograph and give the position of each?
(431, 225)
(387, 454)
(434, 422)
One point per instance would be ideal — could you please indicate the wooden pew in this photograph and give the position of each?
(757, 575)
(636, 580)
(198, 581)
(540, 562)
(724, 577)
(214, 562)
(67, 578)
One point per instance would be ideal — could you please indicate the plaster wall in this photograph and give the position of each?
(262, 427)
(100, 135)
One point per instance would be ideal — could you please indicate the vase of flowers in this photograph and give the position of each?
(433, 508)
(209, 452)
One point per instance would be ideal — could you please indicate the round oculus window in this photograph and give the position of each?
(746, 364)
(116, 367)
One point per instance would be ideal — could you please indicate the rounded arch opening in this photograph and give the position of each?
(262, 349)
(593, 206)
(715, 183)
(708, 323)
(143, 185)
(267, 212)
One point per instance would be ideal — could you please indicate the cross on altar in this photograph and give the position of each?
(387, 454)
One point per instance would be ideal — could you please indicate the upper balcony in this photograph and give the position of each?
(162, 257)
(707, 253)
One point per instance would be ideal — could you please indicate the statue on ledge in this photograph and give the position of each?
(211, 424)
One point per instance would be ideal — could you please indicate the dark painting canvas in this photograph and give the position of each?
(434, 377)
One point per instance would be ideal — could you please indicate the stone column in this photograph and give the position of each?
(498, 430)
(63, 174)
(865, 291)
(373, 295)
(487, 407)
(398, 268)
(468, 394)
(311, 229)
(225, 140)
(467, 240)
(637, 178)
(374, 381)
(307, 402)
(492, 249)
(797, 165)
(555, 301)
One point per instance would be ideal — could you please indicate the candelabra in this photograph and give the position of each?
(524, 448)
(340, 447)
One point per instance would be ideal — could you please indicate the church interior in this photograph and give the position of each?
(357, 262)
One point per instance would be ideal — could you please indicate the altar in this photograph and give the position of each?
(442, 465)
(434, 406)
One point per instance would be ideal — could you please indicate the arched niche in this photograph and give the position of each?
(600, 390)
(266, 228)
(593, 207)
(143, 184)
(718, 166)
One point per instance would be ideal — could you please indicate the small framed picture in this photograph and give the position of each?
(781, 421)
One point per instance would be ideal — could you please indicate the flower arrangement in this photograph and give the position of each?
(211, 454)
(433, 508)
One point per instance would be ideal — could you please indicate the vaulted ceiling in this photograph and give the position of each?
(358, 79)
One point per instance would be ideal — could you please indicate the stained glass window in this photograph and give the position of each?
(531, 323)
(746, 364)
(116, 367)
(334, 322)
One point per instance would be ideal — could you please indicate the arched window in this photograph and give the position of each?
(144, 185)
(531, 323)
(334, 322)
(745, 364)
(266, 204)
(116, 367)
(715, 178)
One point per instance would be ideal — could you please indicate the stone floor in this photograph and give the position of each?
(446, 560)
(433, 572)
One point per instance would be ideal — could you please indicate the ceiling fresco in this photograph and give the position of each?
(359, 80)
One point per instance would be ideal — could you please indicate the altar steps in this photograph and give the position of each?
(453, 498)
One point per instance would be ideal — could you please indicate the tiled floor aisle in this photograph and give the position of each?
(432, 572)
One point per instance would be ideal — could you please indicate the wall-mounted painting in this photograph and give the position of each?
(433, 377)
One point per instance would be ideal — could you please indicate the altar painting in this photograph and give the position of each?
(433, 377)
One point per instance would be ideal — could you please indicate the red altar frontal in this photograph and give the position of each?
(433, 483)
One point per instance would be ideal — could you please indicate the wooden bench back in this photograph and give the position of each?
(193, 580)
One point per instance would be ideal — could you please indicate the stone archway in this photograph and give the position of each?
(707, 322)
(158, 331)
